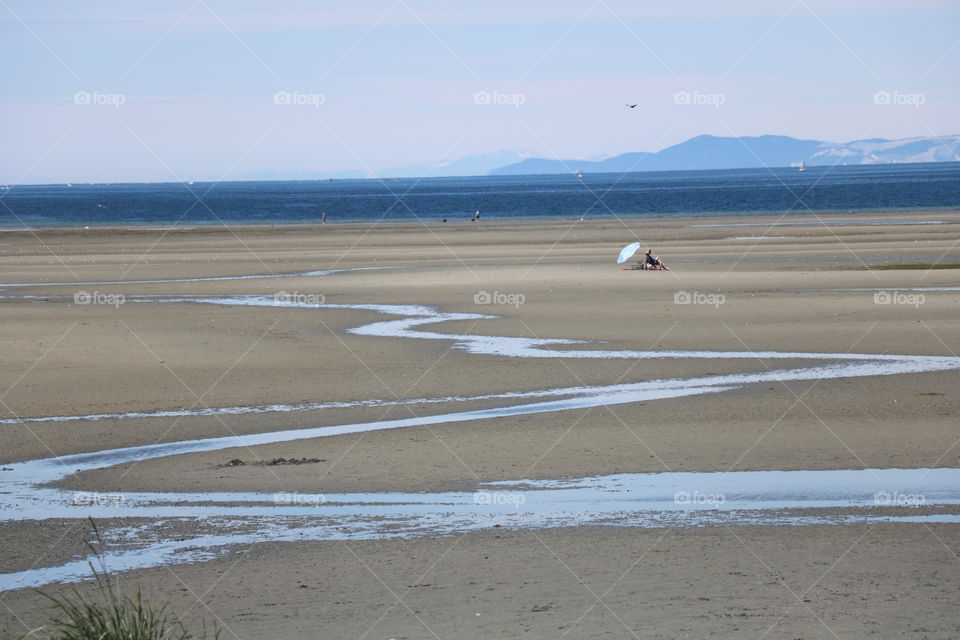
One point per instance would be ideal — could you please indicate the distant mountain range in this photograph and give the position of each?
(713, 152)
(701, 152)
(472, 165)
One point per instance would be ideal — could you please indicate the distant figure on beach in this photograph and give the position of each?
(476, 215)
(653, 263)
(323, 220)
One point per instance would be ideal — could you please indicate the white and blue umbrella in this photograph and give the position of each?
(627, 252)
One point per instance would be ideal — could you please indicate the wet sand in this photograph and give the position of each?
(555, 281)
(820, 582)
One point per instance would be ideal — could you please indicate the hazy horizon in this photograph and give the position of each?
(422, 176)
(211, 90)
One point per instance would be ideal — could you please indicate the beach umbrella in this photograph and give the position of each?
(627, 252)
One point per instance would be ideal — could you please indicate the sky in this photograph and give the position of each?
(114, 91)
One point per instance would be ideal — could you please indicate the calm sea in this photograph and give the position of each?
(673, 193)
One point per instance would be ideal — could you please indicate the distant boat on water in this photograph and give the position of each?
(579, 173)
(803, 167)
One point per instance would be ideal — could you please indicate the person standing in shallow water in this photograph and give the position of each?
(476, 215)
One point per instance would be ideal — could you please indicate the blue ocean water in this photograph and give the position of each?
(668, 193)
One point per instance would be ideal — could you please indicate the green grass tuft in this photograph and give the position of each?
(111, 615)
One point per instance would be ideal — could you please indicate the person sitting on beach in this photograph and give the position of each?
(653, 263)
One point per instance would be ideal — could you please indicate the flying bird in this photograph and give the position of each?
(632, 105)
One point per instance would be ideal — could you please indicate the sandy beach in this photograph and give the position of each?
(109, 322)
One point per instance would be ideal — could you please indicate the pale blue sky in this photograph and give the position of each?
(398, 79)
